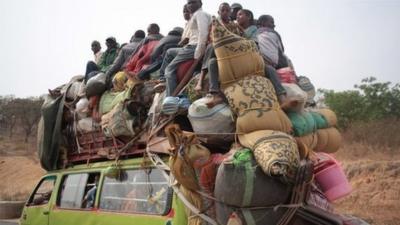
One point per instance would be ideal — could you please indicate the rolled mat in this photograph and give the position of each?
(237, 57)
(276, 152)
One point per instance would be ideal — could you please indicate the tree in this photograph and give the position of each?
(371, 101)
(348, 106)
(28, 111)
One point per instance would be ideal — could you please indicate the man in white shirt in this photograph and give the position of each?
(96, 48)
(198, 30)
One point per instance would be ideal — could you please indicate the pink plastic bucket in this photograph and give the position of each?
(331, 178)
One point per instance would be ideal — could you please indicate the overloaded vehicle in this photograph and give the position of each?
(141, 155)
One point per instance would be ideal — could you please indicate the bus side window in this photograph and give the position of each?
(78, 191)
(137, 191)
(42, 194)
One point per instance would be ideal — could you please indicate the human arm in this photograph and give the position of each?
(268, 45)
(203, 21)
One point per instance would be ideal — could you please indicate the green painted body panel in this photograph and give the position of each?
(50, 214)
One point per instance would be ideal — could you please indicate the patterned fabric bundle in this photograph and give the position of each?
(255, 104)
(237, 57)
(329, 140)
(274, 151)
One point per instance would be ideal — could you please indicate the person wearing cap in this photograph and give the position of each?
(235, 9)
(157, 55)
(125, 54)
(198, 26)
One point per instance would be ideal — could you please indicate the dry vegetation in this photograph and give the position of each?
(370, 157)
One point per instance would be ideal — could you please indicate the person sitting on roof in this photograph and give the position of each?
(198, 30)
(270, 43)
(185, 34)
(141, 57)
(125, 54)
(210, 62)
(245, 19)
(96, 48)
(92, 65)
(156, 57)
(106, 59)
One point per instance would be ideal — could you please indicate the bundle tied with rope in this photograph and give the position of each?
(276, 152)
(254, 102)
(237, 57)
(185, 150)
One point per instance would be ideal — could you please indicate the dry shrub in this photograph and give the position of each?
(382, 134)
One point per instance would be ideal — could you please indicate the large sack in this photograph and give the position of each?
(110, 99)
(254, 102)
(185, 150)
(49, 132)
(306, 85)
(118, 122)
(96, 85)
(320, 120)
(241, 183)
(86, 125)
(329, 140)
(215, 124)
(295, 94)
(329, 116)
(303, 123)
(75, 90)
(82, 108)
(274, 151)
(105, 104)
(309, 140)
(237, 57)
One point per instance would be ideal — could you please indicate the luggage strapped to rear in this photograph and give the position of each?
(299, 193)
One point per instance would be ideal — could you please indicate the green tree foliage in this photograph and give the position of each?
(371, 101)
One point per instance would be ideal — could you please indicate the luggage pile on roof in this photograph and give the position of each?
(247, 159)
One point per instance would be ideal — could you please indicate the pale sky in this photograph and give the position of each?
(335, 43)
